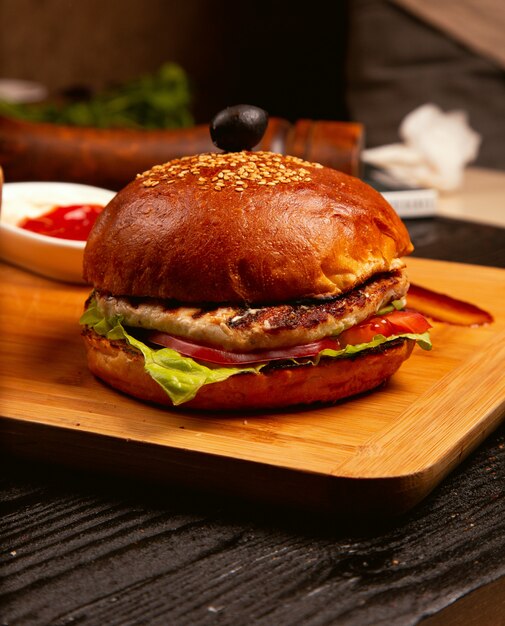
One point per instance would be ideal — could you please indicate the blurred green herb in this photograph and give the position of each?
(158, 100)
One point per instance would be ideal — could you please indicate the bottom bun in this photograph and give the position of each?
(275, 387)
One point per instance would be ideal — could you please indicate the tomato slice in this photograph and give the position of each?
(408, 321)
(366, 331)
(394, 323)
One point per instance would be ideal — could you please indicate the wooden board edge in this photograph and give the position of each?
(436, 415)
(222, 477)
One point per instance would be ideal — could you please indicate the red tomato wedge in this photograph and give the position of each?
(394, 323)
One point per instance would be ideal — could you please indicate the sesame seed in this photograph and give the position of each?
(236, 170)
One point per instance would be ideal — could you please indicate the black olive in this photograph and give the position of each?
(239, 127)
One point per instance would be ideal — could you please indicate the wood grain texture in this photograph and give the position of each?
(81, 548)
(390, 446)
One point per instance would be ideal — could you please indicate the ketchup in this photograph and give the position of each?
(442, 308)
(65, 222)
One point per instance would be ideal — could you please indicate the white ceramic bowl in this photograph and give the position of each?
(60, 259)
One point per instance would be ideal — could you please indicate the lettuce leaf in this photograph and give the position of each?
(181, 377)
(395, 305)
(423, 340)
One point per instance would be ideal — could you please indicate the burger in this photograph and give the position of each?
(247, 280)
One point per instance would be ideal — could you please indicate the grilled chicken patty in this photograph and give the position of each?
(242, 329)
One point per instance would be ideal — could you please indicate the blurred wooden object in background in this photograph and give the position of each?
(112, 157)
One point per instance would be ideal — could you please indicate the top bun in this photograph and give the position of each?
(243, 227)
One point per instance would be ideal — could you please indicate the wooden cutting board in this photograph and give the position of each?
(380, 453)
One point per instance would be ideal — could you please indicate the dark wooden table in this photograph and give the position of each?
(78, 548)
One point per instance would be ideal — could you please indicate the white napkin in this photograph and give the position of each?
(437, 147)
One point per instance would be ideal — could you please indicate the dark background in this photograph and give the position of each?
(287, 60)
(366, 60)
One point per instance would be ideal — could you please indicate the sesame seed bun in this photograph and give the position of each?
(243, 227)
(329, 381)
